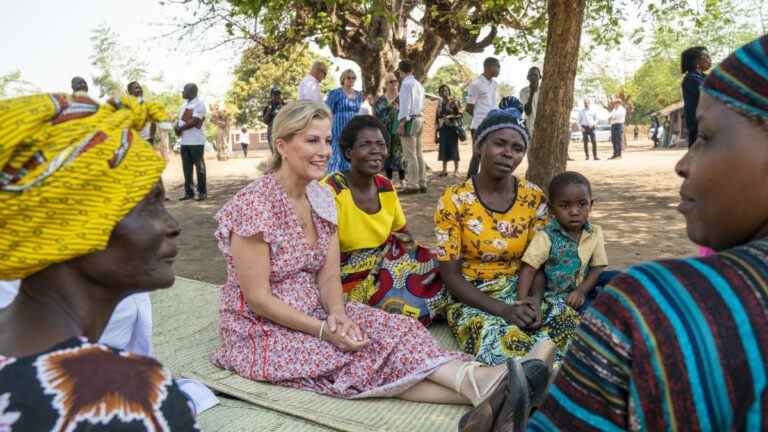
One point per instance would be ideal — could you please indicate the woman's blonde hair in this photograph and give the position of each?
(291, 120)
(344, 76)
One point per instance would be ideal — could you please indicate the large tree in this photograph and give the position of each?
(548, 152)
(377, 34)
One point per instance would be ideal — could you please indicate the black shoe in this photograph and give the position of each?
(409, 191)
(185, 197)
(517, 402)
(202, 197)
(537, 375)
(587, 157)
(596, 158)
(422, 190)
(569, 158)
(483, 417)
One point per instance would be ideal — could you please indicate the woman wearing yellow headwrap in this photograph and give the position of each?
(83, 224)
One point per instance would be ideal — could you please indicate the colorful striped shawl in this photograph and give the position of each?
(678, 344)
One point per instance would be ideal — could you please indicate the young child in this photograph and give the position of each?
(570, 248)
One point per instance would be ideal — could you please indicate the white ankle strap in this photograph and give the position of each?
(467, 370)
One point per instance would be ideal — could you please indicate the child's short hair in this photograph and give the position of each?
(560, 181)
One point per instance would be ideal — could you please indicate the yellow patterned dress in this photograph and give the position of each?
(490, 245)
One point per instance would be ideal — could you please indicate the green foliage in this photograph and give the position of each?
(457, 76)
(117, 64)
(656, 84)
(11, 84)
(257, 73)
(7, 80)
(720, 25)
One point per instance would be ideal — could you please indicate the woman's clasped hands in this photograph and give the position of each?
(343, 333)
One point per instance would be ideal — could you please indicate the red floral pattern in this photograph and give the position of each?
(401, 352)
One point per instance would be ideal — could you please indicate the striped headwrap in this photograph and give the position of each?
(741, 80)
(510, 116)
(70, 170)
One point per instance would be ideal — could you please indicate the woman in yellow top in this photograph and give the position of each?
(380, 264)
(483, 227)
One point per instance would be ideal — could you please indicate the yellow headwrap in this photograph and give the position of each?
(70, 170)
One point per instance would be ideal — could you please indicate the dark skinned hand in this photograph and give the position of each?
(521, 314)
(535, 304)
(575, 299)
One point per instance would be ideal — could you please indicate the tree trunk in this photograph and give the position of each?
(165, 147)
(222, 152)
(549, 150)
(375, 66)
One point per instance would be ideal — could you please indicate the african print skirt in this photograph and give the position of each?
(399, 277)
(492, 341)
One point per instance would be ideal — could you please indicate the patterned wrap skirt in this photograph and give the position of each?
(399, 277)
(492, 340)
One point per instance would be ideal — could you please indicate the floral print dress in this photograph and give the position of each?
(490, 245)
(78, 385)
(401, 352)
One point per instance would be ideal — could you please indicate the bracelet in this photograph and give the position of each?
(322, 328)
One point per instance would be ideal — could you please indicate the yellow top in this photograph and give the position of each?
(361, 230)
(489, 244)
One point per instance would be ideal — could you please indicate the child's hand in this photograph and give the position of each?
(575, 299)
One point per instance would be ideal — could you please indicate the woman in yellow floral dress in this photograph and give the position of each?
(483, 227)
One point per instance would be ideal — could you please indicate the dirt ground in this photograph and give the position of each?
(635, 200)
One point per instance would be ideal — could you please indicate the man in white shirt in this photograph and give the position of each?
(529, 96)
(411, 124)
(309, 88)
(190, 128)
(481, 99)
(616, 119)
(588, 122)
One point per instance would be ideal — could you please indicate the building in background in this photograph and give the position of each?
(257, 139)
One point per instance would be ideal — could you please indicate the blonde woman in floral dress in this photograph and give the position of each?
(283, 318)
(483, 227)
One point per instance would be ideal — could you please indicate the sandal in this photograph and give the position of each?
(498, 412)
(467, 371)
